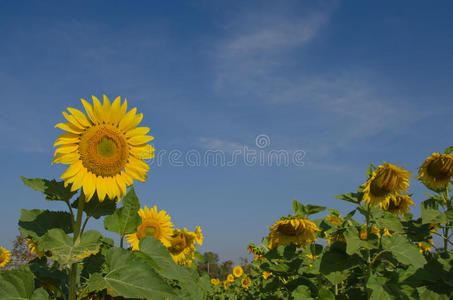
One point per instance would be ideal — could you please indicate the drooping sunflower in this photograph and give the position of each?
(436, 171)
(105, 150)
(198, 235)
(258, 252)
(364, 232)
(237, 271)
(337, 236)
(426, 246)
(292, 230)
(397, 204)
(230, 278)
(155, 224)
(385, 181)
(33, 248)
(335, 220)
(246, 282)
(182, 245)
(5, 257)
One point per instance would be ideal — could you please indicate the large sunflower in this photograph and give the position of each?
(436, 171)
(182, 245)
(5, 257)
(399, 204)
(155, 224)
(385, 181)
(292, 230)
(105, 150)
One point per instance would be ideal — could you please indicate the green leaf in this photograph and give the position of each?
(96, 209)
(302, 292)
(353, 240)
(425, 293)
(54, 190)
(336, 265)
(298, 208)
(326, 294)
(17, 284)
(448, 150)
(39, 294)
(125, 219)
(388, 220)
(430, 212)
(403, 250)
(35, 222)
(377, 286)
(65, 251)
(370, 170)
(313, 209)
(350, 197)
(129, 276)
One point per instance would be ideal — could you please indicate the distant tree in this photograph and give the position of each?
(20, 255)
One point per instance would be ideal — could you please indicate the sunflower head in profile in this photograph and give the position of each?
(385, 181)
(182, 245)
(397, 204)
(198, 235)
(336, 236)
(237, 271)
(436, 171)
(296, 230)
(5, 257)
(334, 219)
(425, 246)
(104, 148)
(33, 248)
(246, 282)
(155, 224)
(363, 234)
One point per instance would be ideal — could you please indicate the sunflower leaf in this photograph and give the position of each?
(129, 276)
(54, 190)
(96, 209)
(36, 222)
(64, 250)
(125, 219)
(403, 250)
(430, 212)
(448, 150)
(19, 284)
(350, 197)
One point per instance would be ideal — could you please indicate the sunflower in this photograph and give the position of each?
(215, 281)
(335, 220)
(246, 282)
(387, 232)
(5, 257)
(230, 278)
(237, 271)
(364, 232)
(397, 204)
(182, 245)
(258, 252)
(426, 246)
(226, 284)
(337, 236)
(310, 256)
(155, 224)
(292, 230)
(266, 275)
(436, 171)
(385, 181)
(33, 248)
(105, 150)
(198, 235)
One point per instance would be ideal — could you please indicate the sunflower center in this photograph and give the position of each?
(288, 229)
(178, 244)
(383, 183)
(103, 150)
(440, 168)
(150, 231)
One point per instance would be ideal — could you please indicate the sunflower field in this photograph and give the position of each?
(376, 251)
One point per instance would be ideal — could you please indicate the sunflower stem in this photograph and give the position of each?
(77, 234)
(122, 241)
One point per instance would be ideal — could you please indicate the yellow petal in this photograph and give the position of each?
(90, 111)
(78, 180)
(101, 189)
(72, 120)
(79, 116)
(127, 178)
(66, 141)
(110, 184)
(72, 170)
(127, 119)
(106, 109)
(66, 159)
(121, 185)
(116, 115)
(140, 140)
(143, 152)
(140, 176)
(135, 121)
(138, 164)
(69, 127)
(88, 186)
(97, 108)
(124, 108)
(137, 131)
(67, 148)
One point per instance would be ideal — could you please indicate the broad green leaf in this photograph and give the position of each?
(448, 150)
(54, 190)
(65, 251)
(39, 294)
(313, 209)
(336, 265)
(351, 197)
(387, 220)
(96, 209)
(325, 294)
(425, 293)
(35, 222)
(377, 286)
(18, 284)
(430, 212)
(334, 211)
(302, 292)
(129, 276)
(298, 208)
(125, 219)
(403, 250)
(353, 240)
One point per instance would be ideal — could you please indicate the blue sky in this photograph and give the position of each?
(348, 83)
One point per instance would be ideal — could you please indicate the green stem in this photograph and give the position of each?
(446, 229)
(77, 231)
(122, 242)
(368, 228)
(336, 289)
(84, 225)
